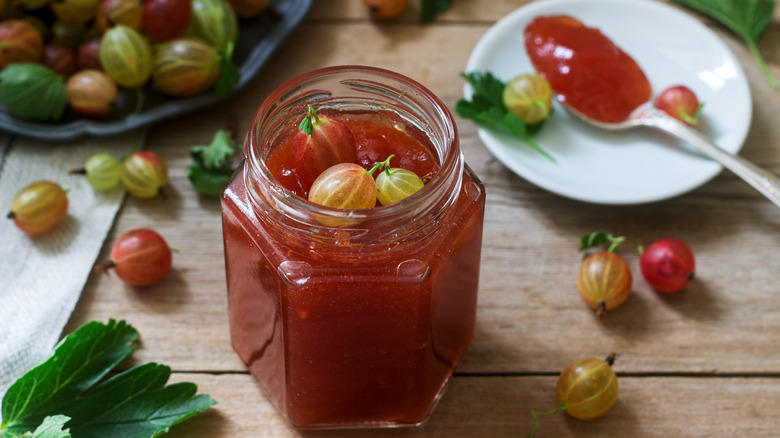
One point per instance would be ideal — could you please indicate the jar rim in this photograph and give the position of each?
(448, 153)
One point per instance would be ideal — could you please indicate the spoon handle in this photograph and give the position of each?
(767, 183)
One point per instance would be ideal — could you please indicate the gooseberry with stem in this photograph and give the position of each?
(393, 185)
(667, 265)
(681, 103)
(320, 143)
(587, 388)
(140, 257)
(39, 207)
(603, 280)
(145, 174)
(20, 42)
(529, 97)
(345, 186)
(103, 172)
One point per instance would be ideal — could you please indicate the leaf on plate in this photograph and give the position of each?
(33, 92)
(746, 18)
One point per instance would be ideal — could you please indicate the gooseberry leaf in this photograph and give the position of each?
(429, 9)
(211, 170)
(77, 363)
(133, 404)
(217, 153)
(50, 428)
(597, 238)
(33, 92)
(746, 18)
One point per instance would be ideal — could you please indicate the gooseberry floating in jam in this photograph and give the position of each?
(320, 143)
(345, 186)
(393, 185)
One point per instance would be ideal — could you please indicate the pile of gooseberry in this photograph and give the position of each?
(326, 158)
(98, 45)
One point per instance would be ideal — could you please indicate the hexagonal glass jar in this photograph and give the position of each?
(353, 318)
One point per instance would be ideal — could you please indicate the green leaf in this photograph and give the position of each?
(596, 238)
(229, 75)
(135, 404)
(429, 9)
(217, 153)
(50, 428)
(487, 108)
(33, 92)
(209, 183)
(746, 18)
(78, 362)
(212, 168)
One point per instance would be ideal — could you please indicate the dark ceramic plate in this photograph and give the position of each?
(258, 39)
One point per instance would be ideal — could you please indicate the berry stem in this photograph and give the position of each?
(81, 171)
(536, 416)
(601, 308)
(11, 215)
(610, 360)
(104, 266)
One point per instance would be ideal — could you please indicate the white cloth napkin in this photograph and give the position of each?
(41, 277)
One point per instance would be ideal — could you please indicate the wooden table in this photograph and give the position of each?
(704, 362)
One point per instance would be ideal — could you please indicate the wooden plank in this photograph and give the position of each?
(476, 407)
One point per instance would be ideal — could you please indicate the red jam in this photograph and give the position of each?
(376, 137)
(360, 326)
(585, 69)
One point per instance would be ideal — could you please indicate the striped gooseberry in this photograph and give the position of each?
(39, 207)
(528, 96)
(145, 174)
(113, 12)
(681, 103)
(185, 67)
(667, 265)
(60, 59)
(103, 172)
(126, 56)
(587, 388)
(215, 22)
(393, 185)
(91, 93)
(140, 257)
(20, 41)
(319, 143)
(345, 186)
(603, 280)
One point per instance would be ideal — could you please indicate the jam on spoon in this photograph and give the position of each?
(587, 71)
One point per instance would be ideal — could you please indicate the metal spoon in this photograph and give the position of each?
(646, 114)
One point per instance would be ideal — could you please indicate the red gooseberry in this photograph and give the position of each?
(320, 143)
(140, 257)
(667, 265)
(681, 103)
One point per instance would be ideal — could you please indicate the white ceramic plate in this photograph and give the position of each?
(635, 166)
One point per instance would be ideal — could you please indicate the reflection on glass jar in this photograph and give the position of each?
(353, 318)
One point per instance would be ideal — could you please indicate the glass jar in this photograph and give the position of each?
(353, 318)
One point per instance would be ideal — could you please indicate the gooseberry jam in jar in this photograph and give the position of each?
(353, 318)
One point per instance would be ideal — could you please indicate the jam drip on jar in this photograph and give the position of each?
(585, 68)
